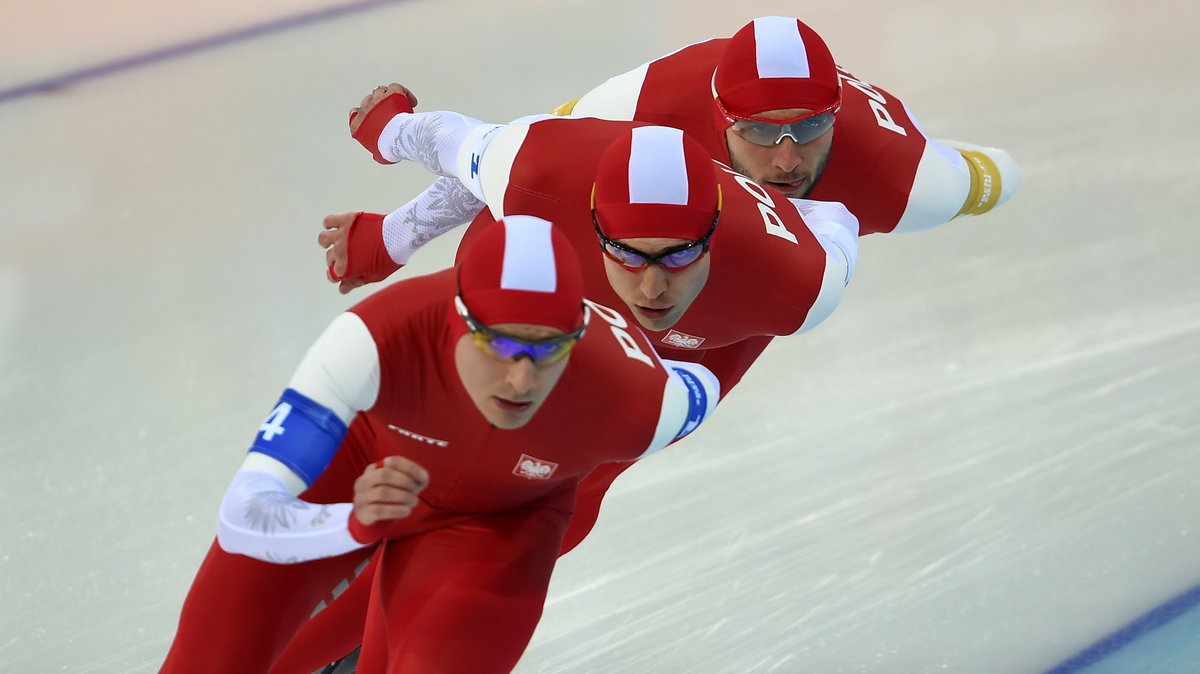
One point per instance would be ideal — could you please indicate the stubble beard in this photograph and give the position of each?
(810, 186)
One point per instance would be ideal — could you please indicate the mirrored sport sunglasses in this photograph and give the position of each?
(673, 260)
(803, 129)
(506, 347)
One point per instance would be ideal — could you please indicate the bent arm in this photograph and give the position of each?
(261, 517)
(260, 514)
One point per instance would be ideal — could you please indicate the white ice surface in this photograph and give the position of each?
(987, 459)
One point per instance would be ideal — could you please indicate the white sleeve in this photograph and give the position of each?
(261, 518)
(689, 397)
(444, 142)
(478, 155)
(340, 371)
(836, 228)
(260, 515)
(444, 205)
(491, 175)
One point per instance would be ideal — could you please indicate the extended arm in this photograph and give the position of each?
(445, 143)
(363, 248)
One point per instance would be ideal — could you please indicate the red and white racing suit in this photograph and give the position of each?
(458, 586)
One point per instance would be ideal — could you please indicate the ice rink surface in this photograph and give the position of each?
(985, 461)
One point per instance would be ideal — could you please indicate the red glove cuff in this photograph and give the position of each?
(366, 255)
(372, 125)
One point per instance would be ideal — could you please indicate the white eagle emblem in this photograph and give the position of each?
(533, 468)
(682, 340)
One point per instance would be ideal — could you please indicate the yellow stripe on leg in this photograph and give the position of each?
(985, 183)
(564, 109)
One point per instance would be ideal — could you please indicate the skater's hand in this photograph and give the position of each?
(387, 490)
(333, 239)
(359, 113)
(355, 254)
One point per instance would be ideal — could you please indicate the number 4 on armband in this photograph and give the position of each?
(273, 425)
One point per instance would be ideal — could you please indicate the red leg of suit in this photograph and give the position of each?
(591, 493)
(728, 363)
(240, 612)
(332, 633)
(463, 598)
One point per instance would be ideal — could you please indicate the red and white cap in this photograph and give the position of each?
(775, 63)
(655, 182)
(522, 270)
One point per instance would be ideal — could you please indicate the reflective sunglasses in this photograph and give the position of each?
(767, 132)
(506, 347)
(674, 260)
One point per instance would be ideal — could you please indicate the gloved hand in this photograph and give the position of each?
(377, 108)
(354, 250)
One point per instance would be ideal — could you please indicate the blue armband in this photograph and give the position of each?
(302, 434)
(697, 402)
